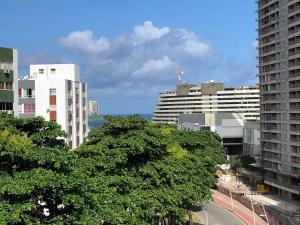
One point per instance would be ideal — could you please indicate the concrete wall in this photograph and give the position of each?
(55, 71)
(184, 89)
(211, 88)
(225, 124)
(15, 83)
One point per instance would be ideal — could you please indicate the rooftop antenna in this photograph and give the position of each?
(180, 73)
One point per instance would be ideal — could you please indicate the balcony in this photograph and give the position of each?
(294, 29)
(295, 117)
(282, 185)
(267, 6)
(70, 116)
(293, 8)
(294, 106)
(249, 173)
(294, 52)
(294, 19)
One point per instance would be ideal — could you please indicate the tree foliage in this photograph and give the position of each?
(243, 161)
(131, 171)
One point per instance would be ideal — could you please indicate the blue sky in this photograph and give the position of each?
(129, 50)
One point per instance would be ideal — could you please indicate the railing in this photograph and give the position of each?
(27, 96)
(271, 214)
(291, 186)
(293, 9)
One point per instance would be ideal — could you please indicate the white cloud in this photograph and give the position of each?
(84, 41)
(144, 62)
(193, 46)
(154, 67)
(148, 32)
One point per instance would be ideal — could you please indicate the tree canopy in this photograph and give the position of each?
(130, 171)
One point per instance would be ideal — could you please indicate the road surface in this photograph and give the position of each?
(216, 215)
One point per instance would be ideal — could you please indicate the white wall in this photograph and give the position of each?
(15, 83)
(59, 80)
(62, 71)
(42, 94)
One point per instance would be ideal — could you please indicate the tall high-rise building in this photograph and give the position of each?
(55, 92)
(93, 107)
(9, 80)
(279, 78)
(209, 97)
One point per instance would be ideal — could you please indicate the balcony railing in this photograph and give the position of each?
(284, 184)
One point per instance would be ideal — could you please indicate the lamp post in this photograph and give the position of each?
(253, 213)
(231, 199)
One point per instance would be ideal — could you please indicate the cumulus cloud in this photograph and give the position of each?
(141, 62)
(148, 32)
(84, 41)
(144, 62)
(153, 68)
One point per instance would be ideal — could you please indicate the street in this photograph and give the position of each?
(218, 216)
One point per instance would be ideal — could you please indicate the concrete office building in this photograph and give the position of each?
(55, 92)
(93, 108)
(9, 80)
(209, 97)
(251, 146)
(279, 78)
(229, 126)
(251, 140)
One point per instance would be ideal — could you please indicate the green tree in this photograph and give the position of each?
(149, 170)
(131, 171)
(242, 161)
(41, 132)
(37, 185)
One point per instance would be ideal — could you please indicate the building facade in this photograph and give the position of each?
(279, 78)
(9, 80)
(229, 126)
(251, 140)
(55, 92)
(93, 107)
(209, 97)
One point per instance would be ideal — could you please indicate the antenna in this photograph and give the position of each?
(180, 73)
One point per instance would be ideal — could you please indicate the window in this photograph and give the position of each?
(41, 71)
(2, 85)
(52, 70)
(52, 91)
(29, 108)
(53, 115)
(9, 86)
(6, 106)
(29, 93)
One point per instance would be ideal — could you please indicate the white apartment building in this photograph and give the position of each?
(93, 108)
(54, 91)
(209, 97)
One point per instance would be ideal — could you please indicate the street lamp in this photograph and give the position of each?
(231, 199)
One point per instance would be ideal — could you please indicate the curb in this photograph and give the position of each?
(245, 220)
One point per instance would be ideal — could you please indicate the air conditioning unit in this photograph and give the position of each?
(6, 71)
(10, 112)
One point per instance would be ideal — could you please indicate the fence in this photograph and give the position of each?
(274, 216)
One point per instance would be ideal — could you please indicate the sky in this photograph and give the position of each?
(130, 50)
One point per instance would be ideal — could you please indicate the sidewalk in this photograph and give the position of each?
(238, 209)
(276, 202)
